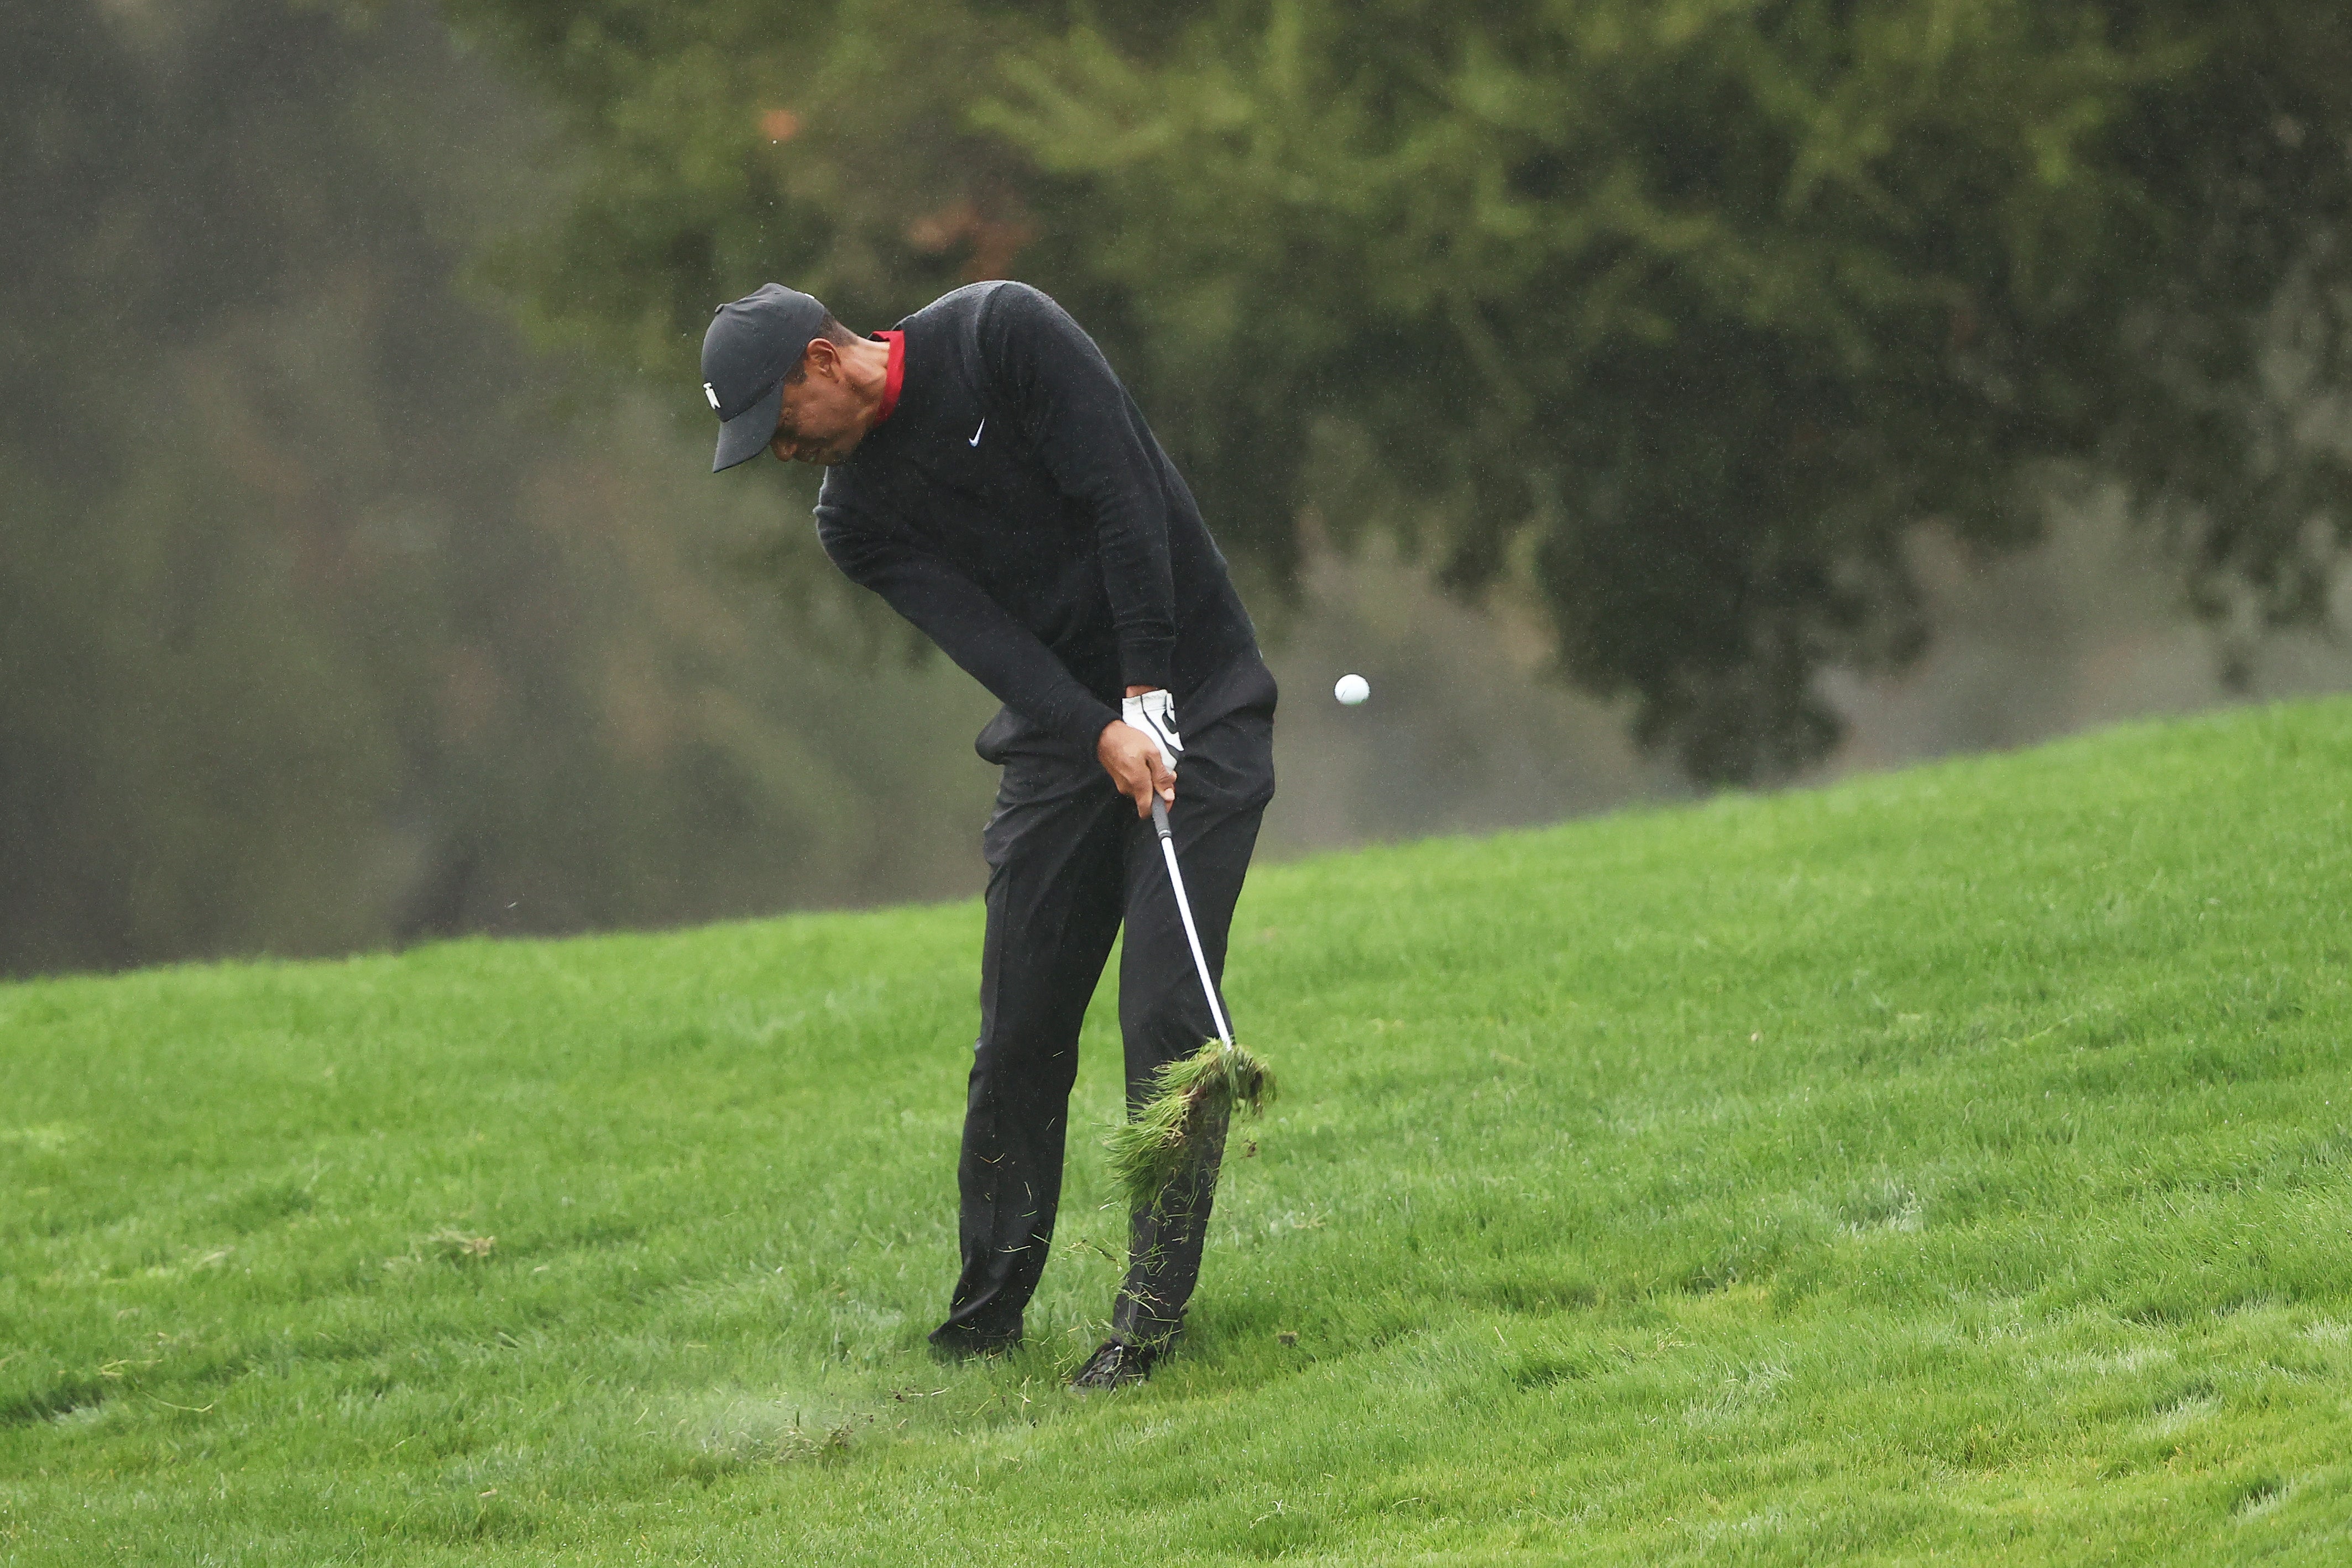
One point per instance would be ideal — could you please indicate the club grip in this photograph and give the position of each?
(1159, 815)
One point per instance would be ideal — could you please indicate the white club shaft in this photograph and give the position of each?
(1192, 932)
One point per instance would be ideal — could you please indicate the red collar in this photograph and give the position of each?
(895, 374)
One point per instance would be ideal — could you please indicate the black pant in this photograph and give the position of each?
(1068, 862)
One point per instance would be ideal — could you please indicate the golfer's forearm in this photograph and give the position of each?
(1020, 672)
(987, 644)
(1142, 602)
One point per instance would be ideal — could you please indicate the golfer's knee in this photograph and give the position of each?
(1162, 1034)
(1029, 1041)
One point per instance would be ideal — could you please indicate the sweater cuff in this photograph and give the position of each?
(1146, 661)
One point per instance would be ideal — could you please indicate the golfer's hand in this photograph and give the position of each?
(1131, 758)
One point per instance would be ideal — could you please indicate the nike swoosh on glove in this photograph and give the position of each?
(1154, 713)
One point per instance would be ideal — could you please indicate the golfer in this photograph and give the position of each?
(991, 480)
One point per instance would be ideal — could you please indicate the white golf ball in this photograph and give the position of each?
(1352, 689)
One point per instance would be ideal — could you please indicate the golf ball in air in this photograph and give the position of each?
(1352, 689)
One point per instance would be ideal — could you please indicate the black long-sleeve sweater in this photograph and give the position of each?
(1016, 507)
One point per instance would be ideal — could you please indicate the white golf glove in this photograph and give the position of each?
(1154, 713)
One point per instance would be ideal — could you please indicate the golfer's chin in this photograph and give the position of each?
(828, 456)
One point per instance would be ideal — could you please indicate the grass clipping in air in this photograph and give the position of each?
(1181, 1128)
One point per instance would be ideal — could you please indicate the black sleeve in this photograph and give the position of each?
(1092, 439)
(969, 626)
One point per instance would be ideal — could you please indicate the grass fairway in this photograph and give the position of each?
(1942, 1167)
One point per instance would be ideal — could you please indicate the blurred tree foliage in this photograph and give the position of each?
(318, 629)
(1681, 313)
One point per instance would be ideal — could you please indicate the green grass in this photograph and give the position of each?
(1941, 1167)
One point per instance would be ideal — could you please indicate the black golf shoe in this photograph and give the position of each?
(1115, 1365)
(953, 1341)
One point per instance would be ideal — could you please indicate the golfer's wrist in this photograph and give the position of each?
(1110, 741)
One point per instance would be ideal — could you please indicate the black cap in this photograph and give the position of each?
(753, 342)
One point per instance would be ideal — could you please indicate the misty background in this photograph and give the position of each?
(347, 599)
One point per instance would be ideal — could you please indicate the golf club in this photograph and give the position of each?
(1184, 1122)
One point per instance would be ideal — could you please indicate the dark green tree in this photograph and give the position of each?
(1685, 313)
(318, 627)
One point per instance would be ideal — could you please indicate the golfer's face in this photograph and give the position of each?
(818, 421)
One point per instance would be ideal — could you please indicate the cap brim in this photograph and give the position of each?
(747, 435)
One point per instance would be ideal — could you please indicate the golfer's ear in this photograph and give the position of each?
(820, 355)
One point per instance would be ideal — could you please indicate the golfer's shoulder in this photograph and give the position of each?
(991, 305)
(1006, 318)
(853, 526)
(836, 509)
(846, 507)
